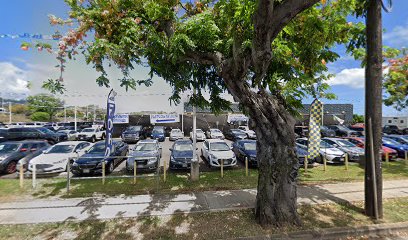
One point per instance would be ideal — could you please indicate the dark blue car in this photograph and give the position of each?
(400, 148)
(158, 133)
(91, 161)
(181, 154)
(246, 149)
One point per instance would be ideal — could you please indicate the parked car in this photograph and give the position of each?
(176, 134)
(235, 134)
(332, 155)
(200, 136)
(301, 153)
(214, 151)
(358, 128)
(245, 149)
(327, 132)
(91, 161)
(132, 134)
(214, 133)
(402, 139)
(146, 153)
(181, 154)
(3, 135)
(354, 153)
(71, 134)
(91, 134)
(391, 129)
(12, 152)
(359, 142)
(342, 131)
(400, 148)
(250, 133)
(60, 136)
(18, 134)
(302, 131)
(158, 133)
(56, 158)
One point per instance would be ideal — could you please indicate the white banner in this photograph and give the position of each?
(164, 118)
(237, 118)
(121, 118)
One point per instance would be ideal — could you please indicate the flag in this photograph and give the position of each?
(315, 119)
(110, 114)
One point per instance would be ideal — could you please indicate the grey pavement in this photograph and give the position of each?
(76, 209)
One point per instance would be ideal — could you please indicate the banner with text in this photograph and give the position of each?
(237, 118)
(164, 118)
(121, 118)
(110, 113)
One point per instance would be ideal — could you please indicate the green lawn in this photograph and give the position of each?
(179, 183)
(214, 225)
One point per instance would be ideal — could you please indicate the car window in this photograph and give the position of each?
(183, 147)
(145, 147)
(9, 147)
(98, 148)
(250, 146)
(61, 148)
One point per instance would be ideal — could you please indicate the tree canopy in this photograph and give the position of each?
(44, 103)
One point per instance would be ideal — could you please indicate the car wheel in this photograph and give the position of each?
(320, 159)
(11, 167)
(111, 167)
(93, 139)
(103, 136)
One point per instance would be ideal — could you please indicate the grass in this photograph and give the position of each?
(179, 183)
(212, 225)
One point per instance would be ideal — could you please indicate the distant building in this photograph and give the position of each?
(400, 122)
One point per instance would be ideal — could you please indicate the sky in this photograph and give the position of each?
(18, 67)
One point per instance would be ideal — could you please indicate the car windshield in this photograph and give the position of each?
(324, 144)
(98, 148)
(237, 131)
(250, 146)
(134, 128)
(61, 149)
(158, 131)
(88, 130)
(390, 141)
(345, 143)
(145, 147)
(324, 128)
(219, 146)
(8, 147)
(176, 131)
(199, 131)
(215, 130)
(183, 147)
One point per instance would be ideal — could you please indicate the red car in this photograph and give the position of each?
(359, 142)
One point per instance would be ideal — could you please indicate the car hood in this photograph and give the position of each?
(182, 154)
(217, 134)
(353, 149)
(222, 154)
(90, 158)
(176, 134)
(333, 151)
(131, 132)
(240, 135)
(250, 153)
(143, 154)
(200, 135)
(158, 134)
(50, 158)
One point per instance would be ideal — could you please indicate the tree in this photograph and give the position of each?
(40, 116)
(358, 118)
(45, 103)
(20, 109)
(267, 54)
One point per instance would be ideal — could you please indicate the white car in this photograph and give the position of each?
(55, 159)
(332, 155)
(176, 134)
(91, 134)
(71, 134)
(250, 133)
(199, 135)
(215, 133)
(214, 151)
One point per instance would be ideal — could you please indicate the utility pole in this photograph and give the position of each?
(65, 113)
(373, 111)
(10, 113)
(94, 113)
(75, 117)
(195, 166)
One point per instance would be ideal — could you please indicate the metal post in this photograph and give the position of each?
(103, 171)
(68, 175)
(164, 170)
(406, 157)
(34, 175)
(246, 166)
(75, 117)
(134, 171)
(22, 175)
(387, 159)
(346, 161)
(324, 163)
(222, 168)
(306, 163)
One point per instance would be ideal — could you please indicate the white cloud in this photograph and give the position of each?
(352, 77)
(398, 37)
(13, 81)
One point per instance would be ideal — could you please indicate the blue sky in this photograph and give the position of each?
(28, 16)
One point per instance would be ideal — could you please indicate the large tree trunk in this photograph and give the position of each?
(276, 201)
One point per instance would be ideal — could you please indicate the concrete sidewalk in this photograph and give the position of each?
(42, 211)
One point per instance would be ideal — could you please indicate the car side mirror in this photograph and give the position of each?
(196, 148)
(171, 149)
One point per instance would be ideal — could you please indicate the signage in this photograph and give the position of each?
(164, 118)
(121, 118)
(110, 113)
(237, 118)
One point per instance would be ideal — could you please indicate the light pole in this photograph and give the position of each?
(75, 118)
(10, 113)
(195, 171)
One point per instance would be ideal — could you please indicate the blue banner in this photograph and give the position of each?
(110, 114)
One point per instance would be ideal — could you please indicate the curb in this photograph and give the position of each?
(386, 229)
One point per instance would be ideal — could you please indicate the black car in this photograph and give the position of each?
(235, 134)
(18, 134)
(342, 131)
(327, 132)
(3, 135)
(91, 161)
(391, 129)
(181, 154)
(11, 152)
(132, 134)
(246, 149)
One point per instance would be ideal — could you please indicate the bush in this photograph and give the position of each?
(40, 116)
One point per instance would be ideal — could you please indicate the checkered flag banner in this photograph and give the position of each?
(316, 110)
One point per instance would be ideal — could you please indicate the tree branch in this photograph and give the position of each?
(213, 58)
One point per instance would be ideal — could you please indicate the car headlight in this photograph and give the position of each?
(152, 160)
(60, 161)
(171, 158)
(213, 156)
(75, 164)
